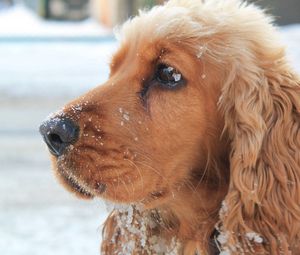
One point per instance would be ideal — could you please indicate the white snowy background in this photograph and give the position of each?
(42, 66)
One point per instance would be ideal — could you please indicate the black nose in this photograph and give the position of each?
(58, 134)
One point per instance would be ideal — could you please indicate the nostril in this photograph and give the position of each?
(54, 143)
(55, 139)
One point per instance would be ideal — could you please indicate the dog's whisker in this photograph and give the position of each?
(206, 169)
(134, 135)
(153, 169)
(126, 187)
(139, 171)
(143, 154)
(118, 179)
(114, 189)
(133, 188)
(190, 185)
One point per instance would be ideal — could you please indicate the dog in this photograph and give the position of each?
(195, 137)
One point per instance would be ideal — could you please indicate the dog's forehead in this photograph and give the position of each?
(178, 20)
(161, 28)
(170, 23)
(201, 23)
(144, 56)
(152, 43)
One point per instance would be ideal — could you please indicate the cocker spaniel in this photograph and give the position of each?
(195, 137)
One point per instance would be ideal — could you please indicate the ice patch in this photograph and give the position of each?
(170, 69)
(21, 21)
(140, 232)
(226, 252)
(53, 115)
(224, 208)
(252, 236)
(177, 77)
(201, 51)
(77, 107)
(126, 116)
(222, 238)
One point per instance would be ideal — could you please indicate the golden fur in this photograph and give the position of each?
(231, 134)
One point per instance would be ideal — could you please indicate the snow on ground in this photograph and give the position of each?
(55, 68)
(40, 58)
(20, 21)
(39, 72)
(37, 216)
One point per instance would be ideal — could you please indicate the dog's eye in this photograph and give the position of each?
(168, 76)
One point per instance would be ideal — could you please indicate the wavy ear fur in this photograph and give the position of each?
(261, 104)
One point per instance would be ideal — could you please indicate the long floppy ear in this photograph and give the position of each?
(261, 212)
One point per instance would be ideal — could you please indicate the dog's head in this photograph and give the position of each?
(153, 124)
(192, 87)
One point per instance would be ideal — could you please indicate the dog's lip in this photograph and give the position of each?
(98, 188)
(74, 185)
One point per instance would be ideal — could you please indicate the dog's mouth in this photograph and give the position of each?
(74, 186)
(74, 181)
(113, 183)
(85, 191)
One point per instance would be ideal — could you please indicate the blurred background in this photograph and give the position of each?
(50, 52)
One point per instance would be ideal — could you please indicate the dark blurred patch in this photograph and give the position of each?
(113, 12)
(285, 11)
(60, 9)
(5, 3)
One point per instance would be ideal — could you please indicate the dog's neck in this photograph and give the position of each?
(194, 210)
(184, 222)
